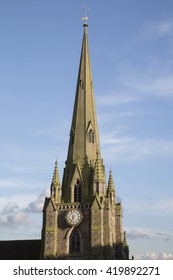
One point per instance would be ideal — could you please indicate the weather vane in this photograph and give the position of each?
(85, 18)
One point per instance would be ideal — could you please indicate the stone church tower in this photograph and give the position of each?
(81, 219)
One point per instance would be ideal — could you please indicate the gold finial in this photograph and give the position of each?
(85, 18)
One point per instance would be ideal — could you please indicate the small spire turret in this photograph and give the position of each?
(99, 176)
(125, 239)
(111, 187)
(98, 169)
(55, 189)
(126, 247)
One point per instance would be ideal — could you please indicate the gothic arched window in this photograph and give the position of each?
(75, 244)
(91, 136)
(77, 192)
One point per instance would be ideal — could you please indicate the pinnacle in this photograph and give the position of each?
(55, 189)
(55, 179)
(111, 182)
(125, 239)
(98, 170)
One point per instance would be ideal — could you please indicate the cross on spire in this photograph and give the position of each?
(86, 8)
(85, 18)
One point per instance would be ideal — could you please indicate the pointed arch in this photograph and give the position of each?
(75, 242)
(90, 133)
(78, 191)
(76, 186)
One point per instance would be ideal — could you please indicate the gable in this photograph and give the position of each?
(49, 206)
(96, 203)
(76, 175)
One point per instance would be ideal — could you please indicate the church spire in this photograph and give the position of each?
(84, 138)
(111, 187)
(85, 222)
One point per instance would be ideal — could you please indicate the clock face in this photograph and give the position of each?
(73, 217)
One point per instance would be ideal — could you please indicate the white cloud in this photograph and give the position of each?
(116, 99)
(154, 256)
(19, 212)
(160, 85)
(19, 200)
(147, 233)
(14, 216)
(134, 234)
(127, 148)
(36, 206)
(148, 34)
(10, 207)
(14, 219)
(151, 76)
(23, 203)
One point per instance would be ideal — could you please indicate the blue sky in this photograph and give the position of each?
(131, 49)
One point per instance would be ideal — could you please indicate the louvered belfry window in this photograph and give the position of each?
(78, 192)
